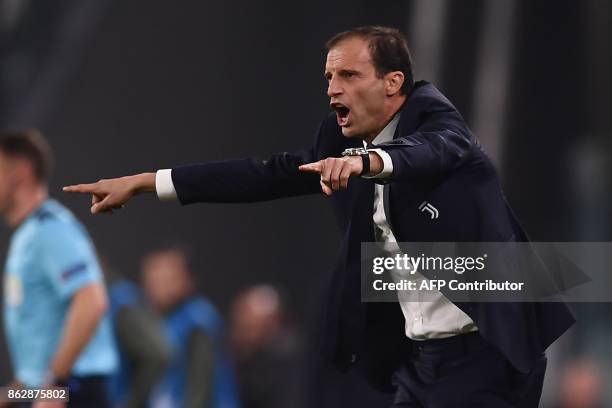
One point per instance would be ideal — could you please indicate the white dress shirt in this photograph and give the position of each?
(433, 318)
(437, 317)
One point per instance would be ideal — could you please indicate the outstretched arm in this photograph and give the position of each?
(229, 181)
(245, 180)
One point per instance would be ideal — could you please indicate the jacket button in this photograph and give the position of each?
(353, 358)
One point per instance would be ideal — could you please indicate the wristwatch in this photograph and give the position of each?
(365, 157)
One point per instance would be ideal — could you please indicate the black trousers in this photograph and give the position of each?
(90, 391)
(464, 371)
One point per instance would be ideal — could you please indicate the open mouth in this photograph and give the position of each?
(342, 113)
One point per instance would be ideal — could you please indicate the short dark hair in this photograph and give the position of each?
(30, 145)
(388, 50)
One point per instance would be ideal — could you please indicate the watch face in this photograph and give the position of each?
(354, 151)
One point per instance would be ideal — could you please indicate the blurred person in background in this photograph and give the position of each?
(144, 350)
(582, 385)
(55, 303)
(199, 373)
(267, 350)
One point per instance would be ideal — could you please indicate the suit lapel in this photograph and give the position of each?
(363, 211)
(408, 123)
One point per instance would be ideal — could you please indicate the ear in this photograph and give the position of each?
(393, 82)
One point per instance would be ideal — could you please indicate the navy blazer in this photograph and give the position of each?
(435, 159)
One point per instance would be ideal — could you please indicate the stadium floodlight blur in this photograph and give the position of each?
(40, 44)
(10, 13)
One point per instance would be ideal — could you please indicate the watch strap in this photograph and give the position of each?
(365, 158)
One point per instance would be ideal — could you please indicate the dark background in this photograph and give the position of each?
(120, 87)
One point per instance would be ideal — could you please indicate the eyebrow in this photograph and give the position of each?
(343, 71)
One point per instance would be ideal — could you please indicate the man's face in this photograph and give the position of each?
(356, 94)
(166, 279)
(8, 182)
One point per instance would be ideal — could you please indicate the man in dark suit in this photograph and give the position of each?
(434, 353)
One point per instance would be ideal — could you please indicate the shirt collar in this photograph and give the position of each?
(386, 135)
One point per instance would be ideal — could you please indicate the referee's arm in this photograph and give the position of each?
(87, 306)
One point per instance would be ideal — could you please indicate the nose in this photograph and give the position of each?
(333, 88)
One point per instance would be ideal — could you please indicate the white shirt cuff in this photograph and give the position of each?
(387, 164)
(164, 185)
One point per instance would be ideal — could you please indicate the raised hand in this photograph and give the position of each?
(336, 171)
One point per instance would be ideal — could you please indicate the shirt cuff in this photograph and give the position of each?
(387, 164)
(164, 185)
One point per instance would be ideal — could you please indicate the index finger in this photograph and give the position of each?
(82, 188)
(315, 167)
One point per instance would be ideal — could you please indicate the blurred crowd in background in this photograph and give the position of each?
(176, 350)
(120, 87)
